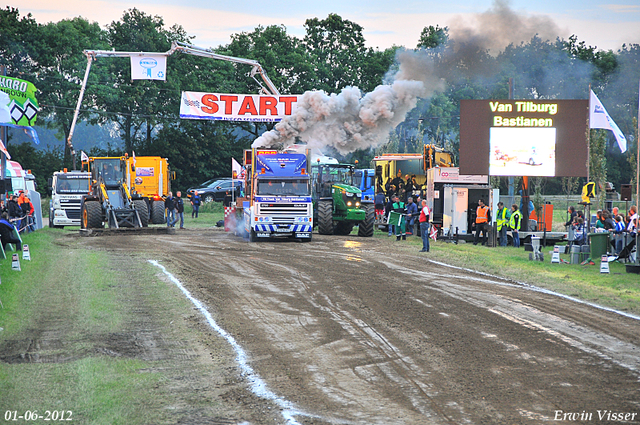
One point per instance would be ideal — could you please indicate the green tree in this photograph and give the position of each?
(432, 37)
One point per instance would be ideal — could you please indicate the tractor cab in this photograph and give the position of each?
(109, 171)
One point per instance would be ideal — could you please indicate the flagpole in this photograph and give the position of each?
(589, 137)
(638, 154)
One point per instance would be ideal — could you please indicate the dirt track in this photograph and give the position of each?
(352, 330)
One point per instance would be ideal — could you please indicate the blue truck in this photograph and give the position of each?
(278, 200)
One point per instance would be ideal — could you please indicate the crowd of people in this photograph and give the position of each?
(619, 224)
(16, 214)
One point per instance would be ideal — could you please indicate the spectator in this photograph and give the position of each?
(425, 216)
(379, 203)
(7, 233)
(618, 232)
(195, 204)
(169, 205)
(572, 216)
(27, 212)
(412, 214)
(387, 212)
(399, 207)
(15, 212)
(514, 223)
(179, 205)
(609, 222)
(483, 218)
(632, 225)
(580, 232)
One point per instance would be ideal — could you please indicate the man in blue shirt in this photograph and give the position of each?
(412, 213)
(195, 203)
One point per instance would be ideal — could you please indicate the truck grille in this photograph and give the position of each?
(284, 213)
(71, 208)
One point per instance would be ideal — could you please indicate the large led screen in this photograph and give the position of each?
(524, 137)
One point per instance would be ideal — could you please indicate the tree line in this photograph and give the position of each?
(330, 56)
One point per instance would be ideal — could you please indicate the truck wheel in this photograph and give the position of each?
(365, 228)
(343, 228)
(51, 219)
(92, 215)
(157, 212)
(143, 212)
(325, 217)
(252, 236)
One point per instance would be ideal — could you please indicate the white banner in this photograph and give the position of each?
(599, 118)
(149, 67)
(236, 107)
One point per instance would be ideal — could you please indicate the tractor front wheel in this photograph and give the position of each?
(141, 207)
(325, 217)
(92, 215)
(157, 212)
(365, 228)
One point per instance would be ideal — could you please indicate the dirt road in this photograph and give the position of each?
(356, 330)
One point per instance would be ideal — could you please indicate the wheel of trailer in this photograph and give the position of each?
(143, 211)
(92, 215)
(325, 217)
(365, 228)
(343, 228)
(157, 212)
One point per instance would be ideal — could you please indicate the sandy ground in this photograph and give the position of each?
(351, 330)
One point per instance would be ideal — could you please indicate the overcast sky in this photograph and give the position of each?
(601, 23)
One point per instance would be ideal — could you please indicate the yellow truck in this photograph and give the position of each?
(150, 177)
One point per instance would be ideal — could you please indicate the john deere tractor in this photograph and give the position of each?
(337, 204)
(110, 201)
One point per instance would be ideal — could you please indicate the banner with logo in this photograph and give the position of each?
(236, 107)
(149, 67)
(22, 104)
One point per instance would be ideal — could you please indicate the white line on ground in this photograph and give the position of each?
(258, 385)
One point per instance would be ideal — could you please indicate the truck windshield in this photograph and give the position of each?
(72, 184)
(277, 187)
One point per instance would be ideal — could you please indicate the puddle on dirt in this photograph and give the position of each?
(258, 386)
(353, 245)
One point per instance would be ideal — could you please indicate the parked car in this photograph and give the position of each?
(215, 189)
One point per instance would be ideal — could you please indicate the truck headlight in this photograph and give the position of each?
(349, 203)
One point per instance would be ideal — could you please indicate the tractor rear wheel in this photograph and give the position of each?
(365, 228)
(143, 211)
(343, 228)
(92, 215)
(157, 212)
(325, 217)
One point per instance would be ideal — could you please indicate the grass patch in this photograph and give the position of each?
(77, 323)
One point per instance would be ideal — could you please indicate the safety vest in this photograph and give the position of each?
(482, 214)
(501, 219)
(514, 221)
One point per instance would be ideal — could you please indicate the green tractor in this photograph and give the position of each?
(337, 204)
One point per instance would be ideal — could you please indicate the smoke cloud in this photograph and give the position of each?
(500, 26)
(349, 121)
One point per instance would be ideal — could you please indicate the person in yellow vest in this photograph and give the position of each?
(514, 224)
(502, 220)
(483, 217)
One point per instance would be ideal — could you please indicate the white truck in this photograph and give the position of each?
(67, 189)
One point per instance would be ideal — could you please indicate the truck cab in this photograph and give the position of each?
(279, 199)
(67, 189)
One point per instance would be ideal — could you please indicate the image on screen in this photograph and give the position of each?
(522, 152)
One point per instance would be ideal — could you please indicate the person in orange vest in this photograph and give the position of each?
(483, 217)
(27, 212)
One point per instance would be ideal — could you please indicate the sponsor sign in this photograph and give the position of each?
(452, 174)
(145, 171)
(283, 199)
(22, 104)
(149, 67)
(236, 107)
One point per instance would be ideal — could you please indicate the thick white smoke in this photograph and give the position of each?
(349, 121)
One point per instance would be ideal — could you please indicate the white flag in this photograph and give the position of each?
(84, 157)
(149, 67)
(237, 172)
(134, 158)
(599, 118)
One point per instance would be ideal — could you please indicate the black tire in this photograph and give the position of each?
(143, 212)
(343, 228)
(325, 217)
(252, 236)
(51, 219)
(365, 228)
(157, 212)
(92, 215)
(208, 198)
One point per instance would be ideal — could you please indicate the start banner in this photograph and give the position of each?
(236, 107)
